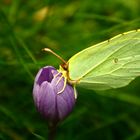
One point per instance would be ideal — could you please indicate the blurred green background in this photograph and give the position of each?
(66, 27)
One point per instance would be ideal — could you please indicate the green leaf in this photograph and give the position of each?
(111, 64)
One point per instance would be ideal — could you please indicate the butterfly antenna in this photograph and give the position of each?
(59, 57)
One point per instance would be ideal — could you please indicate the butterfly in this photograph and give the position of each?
(113, 63)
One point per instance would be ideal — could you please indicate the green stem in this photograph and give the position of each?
(52, 131)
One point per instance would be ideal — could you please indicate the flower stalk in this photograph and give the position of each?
(52, 131)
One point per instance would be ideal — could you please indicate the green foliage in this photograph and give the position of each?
(66, 27)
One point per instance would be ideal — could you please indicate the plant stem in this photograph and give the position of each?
(52, 132)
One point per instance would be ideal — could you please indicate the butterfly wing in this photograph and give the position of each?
(111, 64)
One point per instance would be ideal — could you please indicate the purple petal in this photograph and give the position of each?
(69, 96)
(45, 74)
(47, 103)
(67, 93)
(55, 72)
(62, 107)
(58, 82)
(65, 99)
(36, 95)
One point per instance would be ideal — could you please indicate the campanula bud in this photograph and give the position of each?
(54, 97)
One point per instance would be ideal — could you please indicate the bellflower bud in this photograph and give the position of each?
(53, 96)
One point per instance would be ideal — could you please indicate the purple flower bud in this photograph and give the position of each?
(53, 96)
